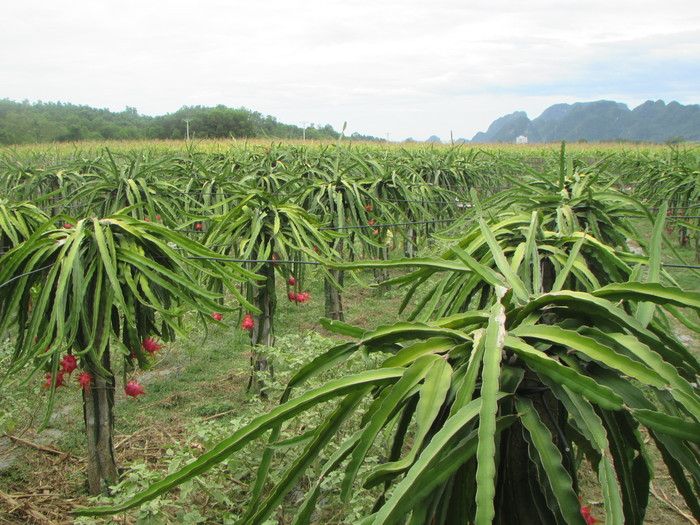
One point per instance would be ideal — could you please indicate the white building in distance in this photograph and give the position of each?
(521, 139)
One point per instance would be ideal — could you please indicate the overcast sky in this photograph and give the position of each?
(406, 68)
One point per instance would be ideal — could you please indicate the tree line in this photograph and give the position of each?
(40, 122)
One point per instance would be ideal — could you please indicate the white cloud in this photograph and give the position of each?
(409, 68)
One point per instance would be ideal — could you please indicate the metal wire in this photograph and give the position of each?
(63, 206)
(386, 225)
(467, 186)
(25, 274)
(198, 193)
(454, 203)
(680, 199)
(273, 261)
(677, 208)
(667, 216)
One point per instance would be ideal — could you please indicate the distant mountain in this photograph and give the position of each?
(597, 121)
(503, 128)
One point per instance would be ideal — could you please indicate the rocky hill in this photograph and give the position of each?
(600, 121)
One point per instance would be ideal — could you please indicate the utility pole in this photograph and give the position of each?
(187, 122)
(304, 123)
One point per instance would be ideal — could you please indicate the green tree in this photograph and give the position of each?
(98, 291)
(263, 228)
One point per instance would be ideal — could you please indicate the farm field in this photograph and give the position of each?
(504, 328)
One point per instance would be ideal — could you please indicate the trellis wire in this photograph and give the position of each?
(275, 261)
(25, 274)
(677, 208)
(680, 199)
(454, 203)
(667, 216)
(359, 226)
(448, 186)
